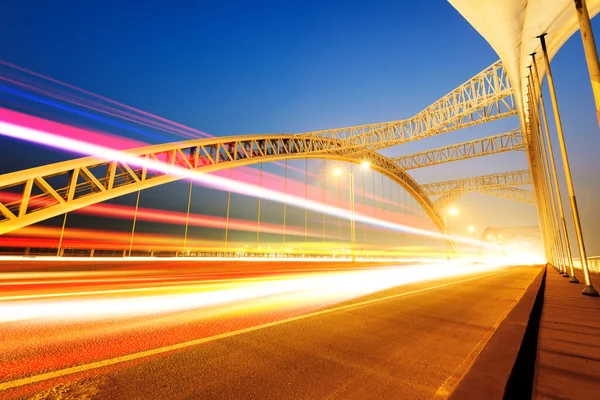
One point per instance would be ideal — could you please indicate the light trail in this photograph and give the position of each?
(185, 130)
(14, 130)
(341, 285)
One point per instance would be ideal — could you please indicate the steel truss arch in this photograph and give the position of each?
(487, 96)
(505, 179)
(509, 141)
(505, 192)
(70, 185)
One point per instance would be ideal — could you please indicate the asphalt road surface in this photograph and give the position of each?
(346, 333)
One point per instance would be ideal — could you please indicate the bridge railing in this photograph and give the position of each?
(99, 253)
(593, 264)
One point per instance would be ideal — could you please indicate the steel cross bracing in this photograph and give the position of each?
(511, 193)
(485, 97)
(508, 192)
(55, 189)
(509, 141)
(513, 178)
(507, 231)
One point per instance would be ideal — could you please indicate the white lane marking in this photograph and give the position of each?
(129, 357)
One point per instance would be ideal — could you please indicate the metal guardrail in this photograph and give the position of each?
(593, 264)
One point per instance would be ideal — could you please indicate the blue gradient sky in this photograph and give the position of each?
(241, 67)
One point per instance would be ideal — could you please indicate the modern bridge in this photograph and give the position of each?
(260, 319)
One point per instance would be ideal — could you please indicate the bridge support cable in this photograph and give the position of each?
(589, 47)
(364, 205)
(228, 208)
(509, 141)
(258, 211)
(563, 224)
(540, 188)
(547, 204)
(486, 97)
(399, 210)
(542, 144)
(137, 203)
(306, 198)
(187, 217)
(62, 234)
(285, 203)
(339, 204)
(322, 199)
(394, 212)
(588, 289)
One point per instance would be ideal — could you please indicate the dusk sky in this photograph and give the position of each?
(229, 68)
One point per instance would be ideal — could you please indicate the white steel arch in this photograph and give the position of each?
(70, 185)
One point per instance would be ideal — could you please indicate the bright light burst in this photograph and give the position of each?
(338, 285)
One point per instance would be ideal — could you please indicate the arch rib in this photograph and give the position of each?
(70, 185)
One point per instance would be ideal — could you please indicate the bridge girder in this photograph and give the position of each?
(70, 185)
(486, 97)
(509, 141)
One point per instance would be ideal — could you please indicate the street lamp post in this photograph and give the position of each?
(337, 172)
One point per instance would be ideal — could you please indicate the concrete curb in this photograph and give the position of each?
(504, 367)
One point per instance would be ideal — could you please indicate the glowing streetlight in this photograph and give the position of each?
(471, 228)
(452, 211)
(365, 164)
(337, 171)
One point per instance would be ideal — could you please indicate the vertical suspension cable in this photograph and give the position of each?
(339, 206)
(259, 198)
(187, 218)
(323, 195)
(352, 221)
(373, 192)
(305, 198)
(364, 202)
(62, 233)
(352, 234)
(137, 203)
(392, 213)
(399, 212)
(561, 214)
(383, 210)
(285, 202)
(228, 208)
(589, 289)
